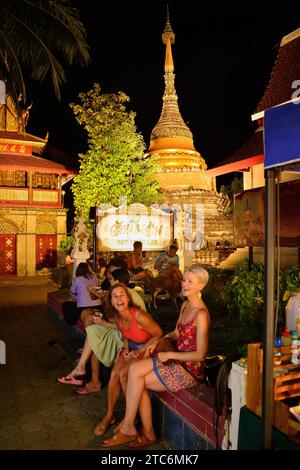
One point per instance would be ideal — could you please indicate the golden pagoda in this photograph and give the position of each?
(181, 166)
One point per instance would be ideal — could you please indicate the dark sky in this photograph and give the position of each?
(223, 58)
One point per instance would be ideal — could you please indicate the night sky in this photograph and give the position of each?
(223, 57)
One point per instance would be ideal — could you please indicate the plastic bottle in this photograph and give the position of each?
(292, 313)
(294, 335)
(277, 353)
(295, 352)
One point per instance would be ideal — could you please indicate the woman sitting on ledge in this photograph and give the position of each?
(140, 331)
(173, 370)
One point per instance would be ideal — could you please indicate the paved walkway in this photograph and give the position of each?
(36, 412)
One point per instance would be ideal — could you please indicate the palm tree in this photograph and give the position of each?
(34, 36)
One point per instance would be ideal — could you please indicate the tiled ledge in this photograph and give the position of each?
(187, 418)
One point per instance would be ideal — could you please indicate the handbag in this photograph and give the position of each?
(166, 344)
(70, 312)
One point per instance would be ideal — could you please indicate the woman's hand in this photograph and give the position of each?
(164, 356)
(151, 348)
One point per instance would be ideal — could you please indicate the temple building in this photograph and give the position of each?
(283, 87)
(32, 214)
(182, 174)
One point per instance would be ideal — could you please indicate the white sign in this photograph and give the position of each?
(118, 228)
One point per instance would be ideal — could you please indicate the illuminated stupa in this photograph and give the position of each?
(181, 166)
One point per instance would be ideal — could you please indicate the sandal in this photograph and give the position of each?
(142, 441)
(88, 388)
(70, 380)
(101, 428)
(118, 439)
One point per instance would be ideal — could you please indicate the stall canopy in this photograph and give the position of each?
(282, 147)
(282, 134)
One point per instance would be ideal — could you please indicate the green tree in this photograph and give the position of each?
(114, 164)
(34, 36)
(236, 186)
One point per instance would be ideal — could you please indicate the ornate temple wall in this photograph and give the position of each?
(217, 222)
(26, 225)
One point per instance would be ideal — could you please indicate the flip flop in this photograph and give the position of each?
(70, 380)
(100, 430)
(142, 441)
(88, 388)
(118, 439)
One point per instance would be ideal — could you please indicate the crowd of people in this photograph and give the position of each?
(121, 334)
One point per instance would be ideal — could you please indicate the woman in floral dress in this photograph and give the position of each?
(172, 370)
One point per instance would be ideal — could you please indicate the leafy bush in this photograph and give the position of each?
(289, 282)
(212, 294)
(243, 295)
(66, 244)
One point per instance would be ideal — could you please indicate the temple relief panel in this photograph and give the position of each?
(46, 223)
(46, 228)
(8, 226)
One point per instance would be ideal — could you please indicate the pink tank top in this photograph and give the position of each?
(134, 332)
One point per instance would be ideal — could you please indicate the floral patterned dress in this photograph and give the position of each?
(177, 375)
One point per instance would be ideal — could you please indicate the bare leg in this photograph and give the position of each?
(140, 374)
(113, 395)
(145, 411)
(85, 355)
(87, 317)
(95, 364)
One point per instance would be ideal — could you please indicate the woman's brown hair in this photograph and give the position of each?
(84, 270)
(110, 311)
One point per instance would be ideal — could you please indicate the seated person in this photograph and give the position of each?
(121, 275)
(140, 331)
(136, 261)
(79, 292)
(167, 263)
(102, 266)
(115, 263)
(97, 338)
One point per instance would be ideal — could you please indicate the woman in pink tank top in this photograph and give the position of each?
(139, 331)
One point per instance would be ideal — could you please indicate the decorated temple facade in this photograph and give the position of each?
(183, 177)
(32, 214)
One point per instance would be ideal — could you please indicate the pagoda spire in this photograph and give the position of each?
(168, 38)
(171, 139)
(170, 123)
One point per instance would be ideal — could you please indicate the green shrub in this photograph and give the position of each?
(244, 292)
(66, 244)
(289, 282)
(212, 294)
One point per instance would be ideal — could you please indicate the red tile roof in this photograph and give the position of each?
(279, 90)
(285, 71)
(31, 163)
(253, 146)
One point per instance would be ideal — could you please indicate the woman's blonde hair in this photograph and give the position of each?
(201, 273)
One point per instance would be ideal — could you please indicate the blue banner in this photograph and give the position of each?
(282, 134)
